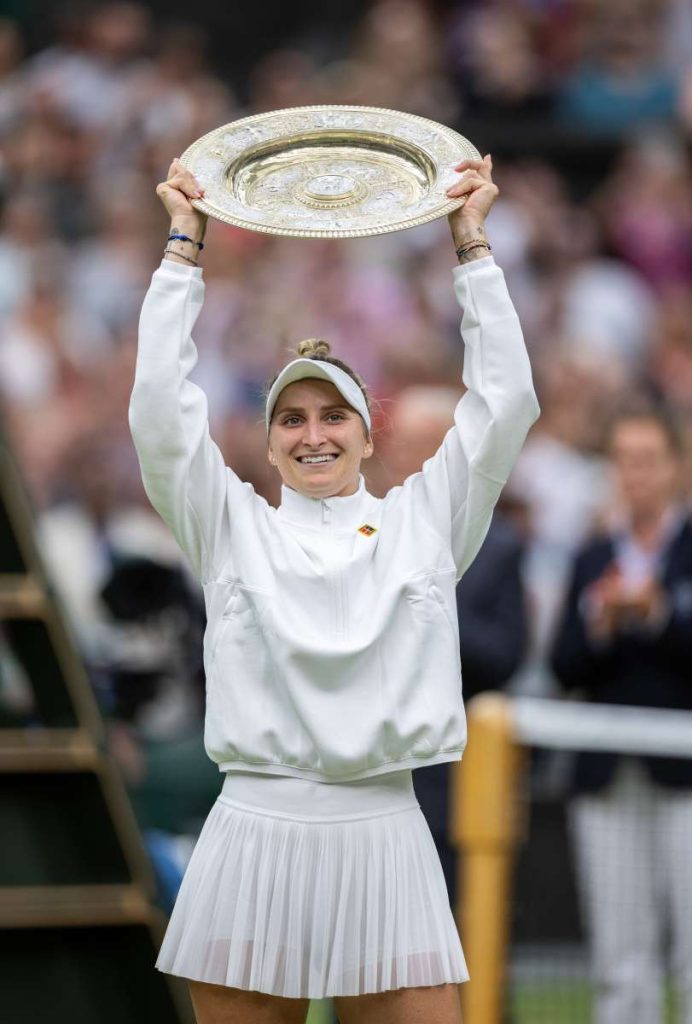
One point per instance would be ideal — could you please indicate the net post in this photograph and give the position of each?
(485, 827)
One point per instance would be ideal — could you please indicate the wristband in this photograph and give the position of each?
(463, 249)
(184, 238)
(174, 253)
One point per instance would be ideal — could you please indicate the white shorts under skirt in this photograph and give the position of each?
(308, 889)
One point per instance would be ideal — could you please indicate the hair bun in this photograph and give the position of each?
(313, 348)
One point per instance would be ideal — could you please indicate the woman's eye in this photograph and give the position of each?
(289, 421)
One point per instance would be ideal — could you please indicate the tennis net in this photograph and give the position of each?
(601, 910)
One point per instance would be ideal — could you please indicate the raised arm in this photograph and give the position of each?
(183, 471)
(459, 486)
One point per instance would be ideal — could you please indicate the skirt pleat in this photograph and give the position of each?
(301, 908)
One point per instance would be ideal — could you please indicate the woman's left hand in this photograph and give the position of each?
(478, 186)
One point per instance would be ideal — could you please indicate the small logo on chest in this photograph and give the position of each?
(367, 530)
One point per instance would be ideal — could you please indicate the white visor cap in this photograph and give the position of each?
(303, 368)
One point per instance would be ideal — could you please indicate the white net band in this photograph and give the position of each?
(569, 725)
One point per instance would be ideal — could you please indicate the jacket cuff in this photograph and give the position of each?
(466, 269)
(180, 269)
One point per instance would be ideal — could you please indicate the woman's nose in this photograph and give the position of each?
(314, 432)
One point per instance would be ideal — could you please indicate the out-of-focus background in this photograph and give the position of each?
(586, 106)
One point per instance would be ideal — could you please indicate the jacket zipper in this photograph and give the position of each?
(337, 582)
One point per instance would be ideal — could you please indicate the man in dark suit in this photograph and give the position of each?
(626, 638)
(490, 599)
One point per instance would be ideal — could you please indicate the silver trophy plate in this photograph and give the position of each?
(328, 171)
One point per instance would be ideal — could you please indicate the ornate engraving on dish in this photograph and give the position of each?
(329, 191)
(328, 171)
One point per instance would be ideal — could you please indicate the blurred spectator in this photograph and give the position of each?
(154, 653)
(494, 54)
(90, 530)
(626, 638)
(108, 270)
(47, 153)
(398, 52)
(564, 483)
(85, 76)
(170, 101)
(622, 81)
(27, 241)
(283, 78)
(607, 314)
(46, 345)
(645, 207)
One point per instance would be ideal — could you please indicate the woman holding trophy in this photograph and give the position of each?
(331, 651)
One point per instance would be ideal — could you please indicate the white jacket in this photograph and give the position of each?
(331, 654)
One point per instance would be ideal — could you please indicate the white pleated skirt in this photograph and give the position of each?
(304, 889)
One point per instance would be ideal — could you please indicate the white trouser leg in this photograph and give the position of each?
(620, 887)
(674, 851)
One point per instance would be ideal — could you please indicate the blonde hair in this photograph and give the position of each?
(313, 348)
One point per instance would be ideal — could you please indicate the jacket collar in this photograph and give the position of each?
(341, 513)
(674, 520)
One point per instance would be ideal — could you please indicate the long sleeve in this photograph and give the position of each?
(459, 486)
(183, 471)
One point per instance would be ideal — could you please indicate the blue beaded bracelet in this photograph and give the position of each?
(184, 238)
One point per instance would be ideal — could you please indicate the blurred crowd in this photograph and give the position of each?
(587, 108)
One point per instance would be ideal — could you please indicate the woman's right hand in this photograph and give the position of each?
(175, 193)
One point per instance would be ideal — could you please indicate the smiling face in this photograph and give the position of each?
(317, 440)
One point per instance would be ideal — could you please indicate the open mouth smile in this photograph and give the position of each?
(317, 460)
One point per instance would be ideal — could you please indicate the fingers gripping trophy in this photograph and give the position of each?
(332, 644)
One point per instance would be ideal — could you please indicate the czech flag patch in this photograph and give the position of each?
(367, 530)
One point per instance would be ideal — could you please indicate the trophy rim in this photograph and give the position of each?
(443, 209)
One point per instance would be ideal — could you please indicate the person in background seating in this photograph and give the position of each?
(626, 638)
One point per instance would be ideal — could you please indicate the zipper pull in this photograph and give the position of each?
(326, 513)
